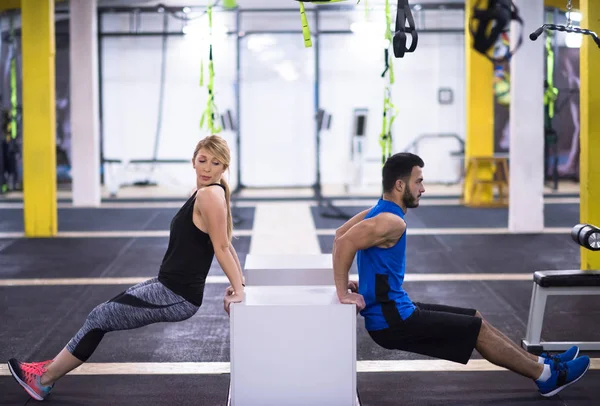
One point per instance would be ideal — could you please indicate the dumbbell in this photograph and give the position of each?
(587, 236)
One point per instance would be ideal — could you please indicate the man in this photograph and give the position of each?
(377, 237)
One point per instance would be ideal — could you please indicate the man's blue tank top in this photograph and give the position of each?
(381, 274)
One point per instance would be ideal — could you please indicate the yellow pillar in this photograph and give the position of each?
(9, 4)
(479, 99)
(589, 211)
(39, 134)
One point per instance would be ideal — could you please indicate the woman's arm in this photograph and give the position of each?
(237, 261)
(211, 204)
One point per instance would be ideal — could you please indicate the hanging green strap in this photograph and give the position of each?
(305, 27)
(389, 109)
(551, 93)
(13, 83)
(304, 20)
(211, 111)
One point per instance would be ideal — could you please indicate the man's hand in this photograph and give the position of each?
(354, 298)
(353, 286)
(231, 297)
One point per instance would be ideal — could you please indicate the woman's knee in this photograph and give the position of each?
(97, 316)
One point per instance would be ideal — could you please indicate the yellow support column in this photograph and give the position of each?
(9, 4)
(589, 169)
(39, 134)
(479, 139)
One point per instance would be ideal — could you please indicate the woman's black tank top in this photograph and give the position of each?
(189, 255)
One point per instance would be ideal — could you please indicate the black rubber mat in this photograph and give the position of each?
(376, 389)
(126, 390)
(508, 253)
(91, 257)
(113, 219)
(38, 321)
(5, 243)
(500, 388)
(555, 215)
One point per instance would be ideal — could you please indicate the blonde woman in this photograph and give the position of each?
(200, 231)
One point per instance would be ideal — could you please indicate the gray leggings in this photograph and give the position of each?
(143, 304)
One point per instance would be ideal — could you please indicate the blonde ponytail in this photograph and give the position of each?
(228, 201)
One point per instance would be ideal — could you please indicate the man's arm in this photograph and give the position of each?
(364, 234)
(342, 230)
(350, 223)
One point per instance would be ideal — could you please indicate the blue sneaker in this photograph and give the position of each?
(563, 375)
(566, 356)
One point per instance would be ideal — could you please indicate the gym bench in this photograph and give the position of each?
(546, 283)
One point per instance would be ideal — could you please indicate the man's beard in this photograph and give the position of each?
(409, 200)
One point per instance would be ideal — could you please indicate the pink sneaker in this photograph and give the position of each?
(29, 376)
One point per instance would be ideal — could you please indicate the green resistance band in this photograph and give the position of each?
(211, 111)
(389, 110)
(305, 27)
(389, 115)
(13, 84)
(551, 93)
(304, 20)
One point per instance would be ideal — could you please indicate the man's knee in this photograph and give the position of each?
(477, 314)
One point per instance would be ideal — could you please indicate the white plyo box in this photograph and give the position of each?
(292, 346)
(292, 270)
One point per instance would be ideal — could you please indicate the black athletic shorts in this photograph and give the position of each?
(437, 331)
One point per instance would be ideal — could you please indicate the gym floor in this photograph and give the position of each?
(456, 256)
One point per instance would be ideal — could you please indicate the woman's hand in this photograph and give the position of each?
(231, 296)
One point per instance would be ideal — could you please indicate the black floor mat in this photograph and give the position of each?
(510, 253)
(38, 321)
(114, 219)
(92, 257)
(126, 390)
(501, 388)
(555, 215)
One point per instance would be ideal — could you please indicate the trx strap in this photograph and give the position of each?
(304, 20)
(389, 110)
(305, 27)
(210, 113)
(13, 83)
(385, 138)
(499, 13)
(551, 92)
(404, 15)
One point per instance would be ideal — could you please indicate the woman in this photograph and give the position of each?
(200, 230)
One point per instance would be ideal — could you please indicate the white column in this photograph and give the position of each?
(85, 143)
(526, 202)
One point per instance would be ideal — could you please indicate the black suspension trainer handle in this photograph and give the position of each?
(404, 15)
(500, 13)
